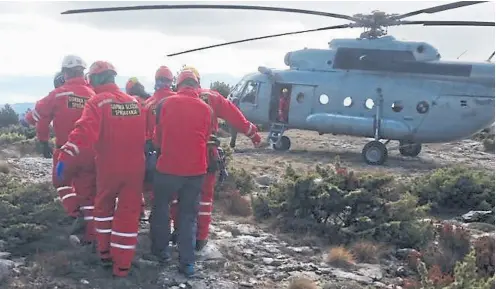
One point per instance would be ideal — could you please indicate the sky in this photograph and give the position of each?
(35, 38)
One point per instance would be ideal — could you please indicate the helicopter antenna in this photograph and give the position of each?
(461, 54)
(375, 23)
(490, 57)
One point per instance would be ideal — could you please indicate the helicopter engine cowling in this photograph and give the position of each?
(310, 59)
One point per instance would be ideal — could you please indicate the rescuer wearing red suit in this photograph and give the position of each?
(64, 107)
(112, 123)
(226, 110)
(181, 135)
(135, 88)
(163, 82)
(284, 106)
(31, 119)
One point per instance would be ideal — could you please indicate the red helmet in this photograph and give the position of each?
(100, 66)
(164, 72)
(186, 74)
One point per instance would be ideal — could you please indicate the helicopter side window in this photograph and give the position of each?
(250, 92)
(238, 89)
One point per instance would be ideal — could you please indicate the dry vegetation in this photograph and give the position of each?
(359, 211)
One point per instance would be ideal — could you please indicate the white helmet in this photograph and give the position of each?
(71, 61)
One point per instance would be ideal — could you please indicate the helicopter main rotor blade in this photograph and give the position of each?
(233, 7)
(439, 8)
(448, 23)
(263, 37)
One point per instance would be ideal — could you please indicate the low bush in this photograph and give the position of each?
(28, 212)
(345, 207)
(366, 252)
(484, 251)
(456, 188)
(10, 138)
(340, 257)
(27, 132)
(465, 276)
(302, 283)
(486, 137)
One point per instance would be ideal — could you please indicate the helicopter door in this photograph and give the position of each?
(302, 99)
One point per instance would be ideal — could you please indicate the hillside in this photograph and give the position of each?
(277, 229)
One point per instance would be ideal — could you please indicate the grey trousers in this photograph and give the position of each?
(188, 190)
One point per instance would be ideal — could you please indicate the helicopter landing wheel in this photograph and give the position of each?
(283, 144)
(375, 153)
(408, 149)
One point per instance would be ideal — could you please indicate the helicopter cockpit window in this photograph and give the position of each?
(369, 103)
(324, 99)
(347, 102)
(238, 89)
(250, 92)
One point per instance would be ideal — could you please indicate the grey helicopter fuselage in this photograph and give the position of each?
(380, 88)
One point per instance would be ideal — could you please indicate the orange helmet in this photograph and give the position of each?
(100, 66)
(186, 74)
(130, 83)
(164, 72)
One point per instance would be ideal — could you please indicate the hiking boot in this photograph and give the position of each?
(173, 237)
(106, 262)
(162, 259)
(187, 270)
(200, 244)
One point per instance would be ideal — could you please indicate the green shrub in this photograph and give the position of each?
(344, 207)
(484, 249)
(456, 188)
(27, 132)
(486, 138)
(466, 276)
(27, 211)
(451, 246)
(10, 138)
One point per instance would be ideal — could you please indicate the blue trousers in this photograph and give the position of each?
(188, 191)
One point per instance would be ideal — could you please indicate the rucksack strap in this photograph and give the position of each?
(158, 110)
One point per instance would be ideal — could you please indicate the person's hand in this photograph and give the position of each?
(46, 150)
(256, 140)
(59, 170)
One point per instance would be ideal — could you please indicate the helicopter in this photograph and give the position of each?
(373, 86)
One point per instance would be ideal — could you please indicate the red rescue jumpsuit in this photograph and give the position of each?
(150, 107)
(283, 108)
(114, 124)
(64, 106)
(226, 110)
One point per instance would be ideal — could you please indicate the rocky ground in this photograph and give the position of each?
(242, 253)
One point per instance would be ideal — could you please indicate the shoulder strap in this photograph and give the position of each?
(158, 109)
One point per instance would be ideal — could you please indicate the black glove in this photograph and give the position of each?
(149, 147)
(46, 150)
